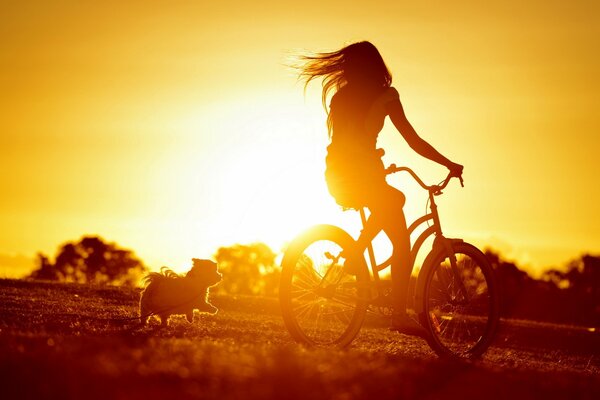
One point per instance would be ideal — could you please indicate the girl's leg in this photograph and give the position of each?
(387, 213)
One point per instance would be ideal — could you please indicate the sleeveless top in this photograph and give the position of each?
(353, 162)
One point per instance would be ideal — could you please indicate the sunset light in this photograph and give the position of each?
(264, 200)
(143, 125)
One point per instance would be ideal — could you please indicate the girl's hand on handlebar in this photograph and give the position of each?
(456, 170)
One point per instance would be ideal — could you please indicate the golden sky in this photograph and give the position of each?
(174, 127)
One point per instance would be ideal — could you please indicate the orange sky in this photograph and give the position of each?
(173, 128)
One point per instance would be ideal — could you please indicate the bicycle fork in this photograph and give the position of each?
(446, 244)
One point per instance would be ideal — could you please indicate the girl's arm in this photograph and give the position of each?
(396, 112)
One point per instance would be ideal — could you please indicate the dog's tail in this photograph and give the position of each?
(165, 273)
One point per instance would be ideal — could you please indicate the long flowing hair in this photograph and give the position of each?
(359, 64)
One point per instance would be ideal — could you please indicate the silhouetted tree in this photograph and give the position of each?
(579, 287)
(248, 269)
(572, 296)
(512, 281)
(91, 260)
(45, 270)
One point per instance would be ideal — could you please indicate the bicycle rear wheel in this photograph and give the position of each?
(321, 304)
(461, 310)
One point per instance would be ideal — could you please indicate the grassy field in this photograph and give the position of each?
(59, 341)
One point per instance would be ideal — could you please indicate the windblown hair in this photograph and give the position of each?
(359, 64)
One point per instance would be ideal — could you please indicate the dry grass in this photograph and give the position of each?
(58, 341)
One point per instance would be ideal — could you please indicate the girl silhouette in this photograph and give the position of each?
(360, 82)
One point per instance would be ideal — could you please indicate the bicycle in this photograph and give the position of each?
(456, 297)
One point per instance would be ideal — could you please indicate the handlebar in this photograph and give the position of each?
(435, 189)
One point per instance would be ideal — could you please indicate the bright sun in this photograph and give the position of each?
(276, 173)
(253, 174)
(256, 164)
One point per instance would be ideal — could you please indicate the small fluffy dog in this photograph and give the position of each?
(167, 293)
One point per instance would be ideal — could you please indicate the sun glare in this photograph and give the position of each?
(248, 170)
(276, 173)
(263, 181)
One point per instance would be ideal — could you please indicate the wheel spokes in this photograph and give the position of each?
(459, 304)
(323, 297)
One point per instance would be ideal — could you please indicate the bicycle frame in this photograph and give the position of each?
(430, 230)
(326, 288)
(440, 243)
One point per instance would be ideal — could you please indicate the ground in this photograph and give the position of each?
(60, 341)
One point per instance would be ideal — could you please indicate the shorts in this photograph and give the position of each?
(354, 178)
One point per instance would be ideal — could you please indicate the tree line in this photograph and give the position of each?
(91, 259)
(570, 295)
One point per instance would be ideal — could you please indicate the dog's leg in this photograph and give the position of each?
(190, 316)
(143, 311)
(164, 320)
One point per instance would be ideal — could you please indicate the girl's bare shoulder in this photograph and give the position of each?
(390, 94)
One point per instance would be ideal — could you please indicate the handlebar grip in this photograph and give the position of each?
(462, 182)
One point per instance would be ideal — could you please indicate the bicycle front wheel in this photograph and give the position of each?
(460, 303)
(321, 304)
